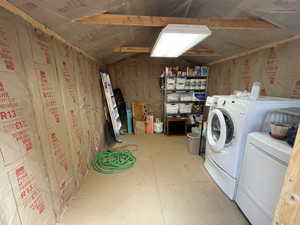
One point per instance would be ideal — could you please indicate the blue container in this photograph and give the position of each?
(200, 96)
(129, 121)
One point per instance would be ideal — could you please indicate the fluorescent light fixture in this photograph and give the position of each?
(176, 39)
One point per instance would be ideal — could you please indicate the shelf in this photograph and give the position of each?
(185, 90)
(179, 114)
(196, 77)
(199, 77)
(170, 102)
(195, 90)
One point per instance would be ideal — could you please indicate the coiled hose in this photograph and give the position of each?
(110, 162)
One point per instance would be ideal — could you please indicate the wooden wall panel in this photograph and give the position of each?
(288, 208)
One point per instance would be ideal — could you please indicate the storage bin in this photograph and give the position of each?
(187, 96)
(185, 107)
(180, 79)
(202, 84)
(187, 84)
(193, 84)
(198, 96)
(172, 97)
(171, 83)
(172, 108)
(180, 86)
(198, 84)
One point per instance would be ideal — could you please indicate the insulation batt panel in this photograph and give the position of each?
(276, 68)
(51, 122)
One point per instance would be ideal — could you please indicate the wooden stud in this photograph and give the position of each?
(158, 21)
(288, 207)
(252, 51)
(11, 8)
(134, 49)
(200, 52)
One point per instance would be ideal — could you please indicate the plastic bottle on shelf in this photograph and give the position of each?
(255, 91)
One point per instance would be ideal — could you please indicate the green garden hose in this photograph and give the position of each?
(110, 162)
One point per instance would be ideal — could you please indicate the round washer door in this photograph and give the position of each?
(216, 130)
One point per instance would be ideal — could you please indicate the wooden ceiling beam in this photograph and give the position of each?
(158, 21)
(134, 49)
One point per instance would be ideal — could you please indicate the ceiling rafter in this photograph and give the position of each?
(136, 49)
(158, 21)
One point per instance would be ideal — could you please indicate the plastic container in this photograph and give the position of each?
(149, 124)
(185, 107)
(180, 86)
(196, 130)
(255, 91)
(198, 96)
(187, 96)
(193, 143)
(172, 108)
(279, 130)
(158, 126)
(203, 84)
(171, 83)
(129, 121)
(173, 97)
(204, 71)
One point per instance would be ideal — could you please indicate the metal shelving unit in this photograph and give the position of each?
(183, 116)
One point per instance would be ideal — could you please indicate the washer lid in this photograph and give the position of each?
(277, 148)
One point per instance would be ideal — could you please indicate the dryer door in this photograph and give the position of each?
(220, 130)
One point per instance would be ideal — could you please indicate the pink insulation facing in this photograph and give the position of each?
(51, 123)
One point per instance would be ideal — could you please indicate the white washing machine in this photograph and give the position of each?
(230, 120)
(262, 175)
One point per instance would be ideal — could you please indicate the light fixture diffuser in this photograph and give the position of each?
(176, 39)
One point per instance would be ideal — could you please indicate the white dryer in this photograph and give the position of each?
(262, 175)
(230, 120)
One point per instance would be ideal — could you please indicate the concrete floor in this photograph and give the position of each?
(168, 186)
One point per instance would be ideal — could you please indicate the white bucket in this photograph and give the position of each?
(158, 127)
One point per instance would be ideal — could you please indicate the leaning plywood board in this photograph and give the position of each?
(288, 208)
(25, 194)
(39, 61)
